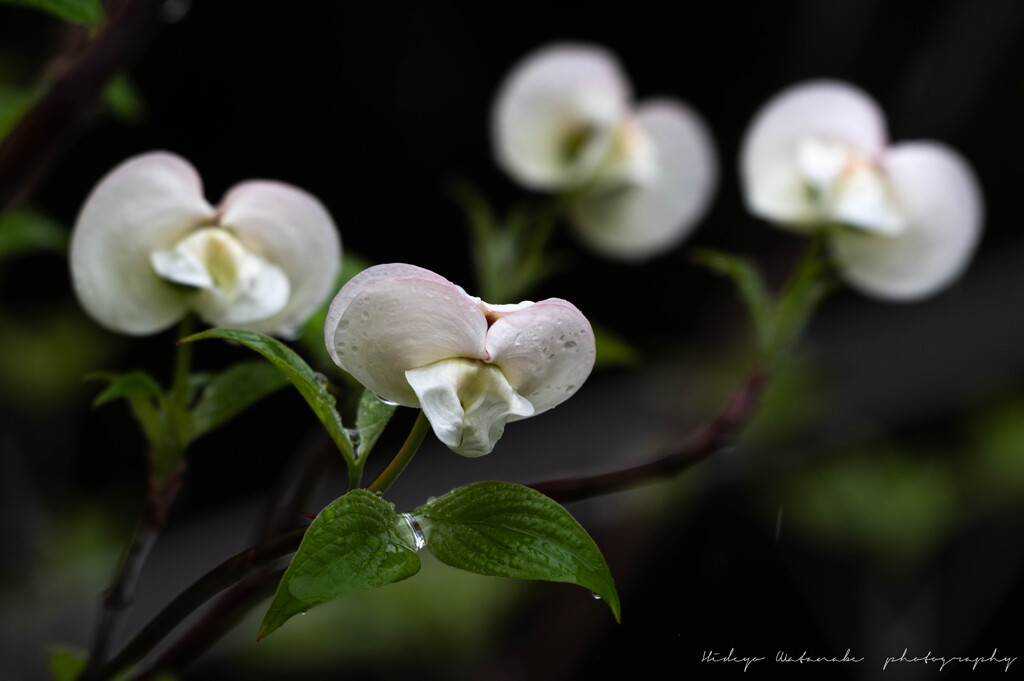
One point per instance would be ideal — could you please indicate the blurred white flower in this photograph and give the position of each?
(416, 339)
(903, 219)
(147, 248)
(640, 177)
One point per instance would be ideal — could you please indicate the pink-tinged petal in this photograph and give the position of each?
(943, 208)
(818, 112)
(637, 221)
(147, 203)
(396, 323)
(355, 285)
(555, 113)
(545, 350)
(292, 230)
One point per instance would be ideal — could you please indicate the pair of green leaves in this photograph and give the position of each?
(220, 398)
(491, 528)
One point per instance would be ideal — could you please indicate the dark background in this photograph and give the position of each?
(376, 108)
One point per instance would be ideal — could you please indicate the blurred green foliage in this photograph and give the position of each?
(75, 11)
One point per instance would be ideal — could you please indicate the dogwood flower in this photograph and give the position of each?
(416, 339)
(903, 220)
(640, 178)
(147, 248)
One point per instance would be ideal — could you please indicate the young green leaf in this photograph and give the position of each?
(750, 286)
(75, 11)
(298, 372)
(146, 399)
(507, 530)
(229, 393)
(65, 664)
(371, 419)
(15, 101)
(356, 543)
(123, 100)
(613, 350)
(25, 232)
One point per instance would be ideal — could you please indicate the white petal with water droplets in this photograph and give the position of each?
(355, 285)
(467, 403)
(396, 323)
(545, 350)
(147, 203)
(639, 220)
(828, 112)
(943, 207)
(292, 230)
(555, 115)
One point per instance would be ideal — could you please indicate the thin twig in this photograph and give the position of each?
(709, 439)
(223, 617)
(229, 572)
(25, 152)
(160, 494)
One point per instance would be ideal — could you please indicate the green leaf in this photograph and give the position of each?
(613, 350)
(306, 381)
(356, 543)
(507, 530)
(371, 420)
(14, 103)
(65, 664)
(75, 11)
(25, 231)
(230, 392)
(145, 398)
(750, 286)
(123, 100)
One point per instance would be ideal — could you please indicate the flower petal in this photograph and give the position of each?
(826, 112)
(639, 221)
(386, 324)
(546, 351)
(290, 229)
(943, 207)
(467, 403)
(147, 203)
(355, 285)
(555, 114)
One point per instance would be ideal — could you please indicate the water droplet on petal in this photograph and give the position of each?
(388, 402)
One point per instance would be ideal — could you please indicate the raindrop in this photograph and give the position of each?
(570, 387)
(388, 402)
(596, 597)
(320, 378)
(417, 533)
(431, 500)
(569, 344)
(343, 324)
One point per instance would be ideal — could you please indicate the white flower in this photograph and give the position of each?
(904, 219)
(416, 339)
(147, 248)
(640, 177)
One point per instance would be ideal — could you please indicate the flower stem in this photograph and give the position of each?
(404, 456)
